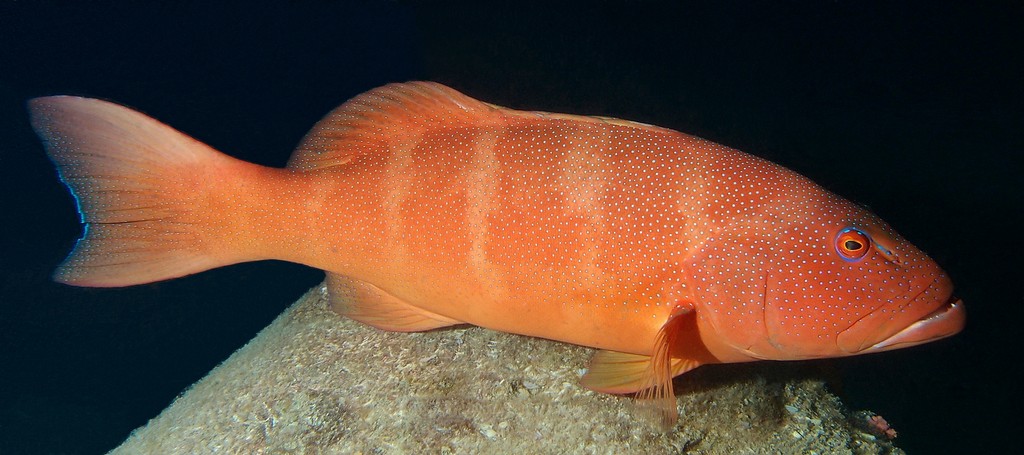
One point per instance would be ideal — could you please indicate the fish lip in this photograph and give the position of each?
(946, 321)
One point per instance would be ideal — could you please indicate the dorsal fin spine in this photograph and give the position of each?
(367, 123)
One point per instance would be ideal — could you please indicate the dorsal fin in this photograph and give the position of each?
(386, 115)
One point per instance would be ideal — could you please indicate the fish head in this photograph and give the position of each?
(826, 279)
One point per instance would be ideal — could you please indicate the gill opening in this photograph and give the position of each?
(764, 314)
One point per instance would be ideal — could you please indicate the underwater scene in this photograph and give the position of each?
(491, 227)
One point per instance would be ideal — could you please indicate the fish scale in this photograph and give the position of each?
(427, 208)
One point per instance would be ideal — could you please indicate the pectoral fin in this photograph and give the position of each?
(621, 373)
(650, 376)
(373, 306)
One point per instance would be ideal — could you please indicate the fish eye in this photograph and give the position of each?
(852, 244)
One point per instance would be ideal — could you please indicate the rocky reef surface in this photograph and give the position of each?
(313, 382)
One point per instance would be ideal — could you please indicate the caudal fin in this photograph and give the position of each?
(139, 185)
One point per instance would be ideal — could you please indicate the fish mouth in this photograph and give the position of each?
(947, 320)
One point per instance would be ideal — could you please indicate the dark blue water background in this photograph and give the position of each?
(914, 110)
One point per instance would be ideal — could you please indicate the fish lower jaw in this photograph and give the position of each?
(946, 321)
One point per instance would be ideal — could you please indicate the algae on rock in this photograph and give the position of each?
(313, 382)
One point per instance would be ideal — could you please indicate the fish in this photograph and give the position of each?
(427, 208)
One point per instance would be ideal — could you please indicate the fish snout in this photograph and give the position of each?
(932, 314)
(947, 320)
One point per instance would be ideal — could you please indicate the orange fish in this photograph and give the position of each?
(428, 208)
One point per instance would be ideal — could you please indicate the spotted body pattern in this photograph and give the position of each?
(427, 208)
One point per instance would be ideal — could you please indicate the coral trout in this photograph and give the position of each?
(427, 208)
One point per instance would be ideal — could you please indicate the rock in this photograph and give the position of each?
(313, 382)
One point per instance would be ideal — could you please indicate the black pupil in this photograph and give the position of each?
(852, 245)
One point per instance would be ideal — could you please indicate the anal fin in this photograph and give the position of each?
(373, 306)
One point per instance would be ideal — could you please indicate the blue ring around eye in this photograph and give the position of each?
(851, 229)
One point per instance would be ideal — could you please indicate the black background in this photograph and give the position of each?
(913, 109)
